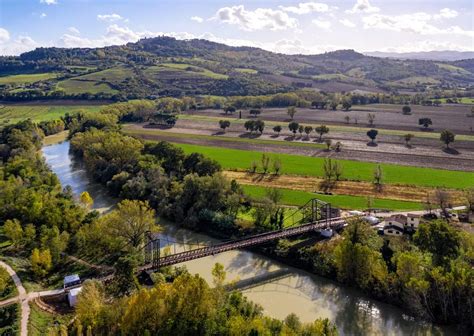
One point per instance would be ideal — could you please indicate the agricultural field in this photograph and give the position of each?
(26, 78)
(353, 170)
(11, 113)
(195, 70)
(76, 86)
(202, 128)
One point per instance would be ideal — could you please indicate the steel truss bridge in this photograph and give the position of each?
(313, 216)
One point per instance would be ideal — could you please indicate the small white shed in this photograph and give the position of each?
(72, 296)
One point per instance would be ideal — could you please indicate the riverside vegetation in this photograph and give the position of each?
(421, 274)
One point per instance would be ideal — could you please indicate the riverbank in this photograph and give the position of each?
(307, 295)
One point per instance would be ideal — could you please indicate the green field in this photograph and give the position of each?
(14, 113)
(73, 86)
(298, 198)
(201, 71)
(462, 100)
(41, 322)
(352, 170)
(246, 71)
(26, 78)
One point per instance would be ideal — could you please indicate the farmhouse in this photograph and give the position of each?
(413, 221)
(392, 230)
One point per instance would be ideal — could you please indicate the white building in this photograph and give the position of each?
(413, 221)
(72, 296)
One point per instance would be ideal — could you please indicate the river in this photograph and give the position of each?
(278, 288)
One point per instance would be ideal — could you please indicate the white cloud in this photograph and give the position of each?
(109, 17)
(347, 23)
(446, 13)
(363, 6)
(43, 15)
(49, 2)
(74, 30)
(15, 47)
(198, 19)
(426, 45)
(323, 24)
(4, 35)
(306, 8)
(418, 23)
(260, 18)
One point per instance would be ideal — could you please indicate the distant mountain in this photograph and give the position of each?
(167, 66)
(446, 55)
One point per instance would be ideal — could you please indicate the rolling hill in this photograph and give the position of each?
(167, 66)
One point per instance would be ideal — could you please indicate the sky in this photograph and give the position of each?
(306, 27)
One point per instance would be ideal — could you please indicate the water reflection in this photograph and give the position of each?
(280, 289)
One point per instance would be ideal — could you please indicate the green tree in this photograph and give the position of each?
(86, 200)
(408, 137)
(291, 112)
(130, 221)
(293, 127)
(438, 238)
(218, 274)
(372, 134)
(346, 105)
(425, 122)
(125, 281)
(14, 232)
(406, 109)
(224, 124)
(447, 137)
(260, 125)
(321, 130)
(378, 177)
(277, 129)
(308, 130)
(41, 262)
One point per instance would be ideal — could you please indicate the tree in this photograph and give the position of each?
(308, 130)
(253, 167)
(328, 169)
(338, 146)
(224, 124)
(442, 199)
(372, 134)
(255, 112)
(260, 125)
(218, 274)
(321, 130)
(407, 137)
(291, 112)
(346, 105)
(347, 119)
(293, 127)
(425, 122)
(130, 222)
(90, 304)
(447, 137)
(328, 144)
(229, 109)
(438, 238)
(86, 200)
(378, 177)
(406, 110)
(265, 163)
(125, 281)
(41, 262)
(469, 195)
(250, 126)
(301, 130)
(337, 170)
(14, 231)
(334, 105)
(371, 118)
(277, 166)
(277, 129)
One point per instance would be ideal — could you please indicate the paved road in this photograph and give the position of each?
(24, 298)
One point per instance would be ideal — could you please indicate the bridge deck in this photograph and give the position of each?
(334, 223)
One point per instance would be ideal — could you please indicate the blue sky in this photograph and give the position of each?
(282, 26)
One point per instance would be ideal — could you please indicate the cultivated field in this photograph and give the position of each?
(26, 78)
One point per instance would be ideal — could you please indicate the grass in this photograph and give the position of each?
(40, 321)
(461, 100)
(352, 170)
(14, 113)
(246, 71)
(201, 71)
(416, 79)
(74, 86)
(26, 78)
(223, 138)
(298, 198)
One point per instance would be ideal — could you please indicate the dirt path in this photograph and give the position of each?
(22, 298)
(312, 184)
